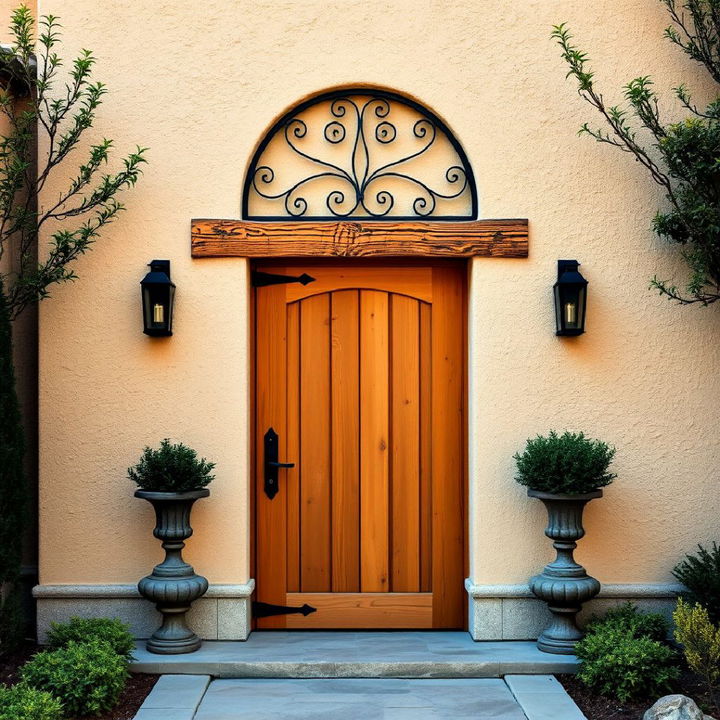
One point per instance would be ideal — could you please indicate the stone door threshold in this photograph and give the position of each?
(307, 654)
(516, 697)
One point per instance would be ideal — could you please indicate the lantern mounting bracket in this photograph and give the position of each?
(564, 265)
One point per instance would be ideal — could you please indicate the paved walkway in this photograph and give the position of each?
(516, 697)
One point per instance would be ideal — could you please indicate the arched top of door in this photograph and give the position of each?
(359, 154)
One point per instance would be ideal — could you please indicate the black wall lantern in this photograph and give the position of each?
(158, 293)
(570, 299)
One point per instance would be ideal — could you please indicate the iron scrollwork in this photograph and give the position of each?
(360, 159)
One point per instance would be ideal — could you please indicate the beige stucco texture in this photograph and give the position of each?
(199, 83)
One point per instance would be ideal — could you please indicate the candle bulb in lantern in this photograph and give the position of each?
(570, 313)
(158, 313)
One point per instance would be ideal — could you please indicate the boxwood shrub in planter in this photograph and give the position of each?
(172, 478)
(565, 472)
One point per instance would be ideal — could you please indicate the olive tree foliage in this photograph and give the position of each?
(61, 111)
(683, 158)
(45, 119)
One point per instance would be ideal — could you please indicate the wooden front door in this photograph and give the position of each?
(361, 373)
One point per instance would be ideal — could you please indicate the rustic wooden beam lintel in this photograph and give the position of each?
(478, 238)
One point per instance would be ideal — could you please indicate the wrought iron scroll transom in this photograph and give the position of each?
(359, 154)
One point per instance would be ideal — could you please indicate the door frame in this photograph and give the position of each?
(253, 430)
(248, 240)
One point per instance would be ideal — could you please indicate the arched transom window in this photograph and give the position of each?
(359, 154)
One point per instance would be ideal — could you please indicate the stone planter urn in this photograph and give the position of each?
(173, 584)
(563, 584)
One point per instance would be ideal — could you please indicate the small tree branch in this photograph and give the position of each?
(62, 120)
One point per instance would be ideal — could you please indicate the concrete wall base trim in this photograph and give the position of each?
(511, 612)
(223, 613)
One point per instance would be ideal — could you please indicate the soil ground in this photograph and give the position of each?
(136, 690)
(597, 707)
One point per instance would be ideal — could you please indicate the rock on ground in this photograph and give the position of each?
(675, 707)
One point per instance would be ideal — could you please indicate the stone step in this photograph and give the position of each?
(516, 697)
(320, 654)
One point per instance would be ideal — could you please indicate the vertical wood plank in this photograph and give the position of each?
(405, 432)
(315, 506)
(345, 441)
(448, 531)
(292, 475)
(374, 441)
(271, 407)
(252, 411)
(426, 444)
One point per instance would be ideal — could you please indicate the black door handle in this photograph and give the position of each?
(271, 463)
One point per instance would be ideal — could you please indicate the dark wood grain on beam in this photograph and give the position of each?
(480, 238)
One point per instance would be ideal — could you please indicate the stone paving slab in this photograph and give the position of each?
(542, 697)
(174, 697)
(165, 714)
(358, 699)
(319, 654)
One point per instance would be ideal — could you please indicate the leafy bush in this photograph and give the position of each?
(86, 677)
(618, 664)
(626, 618)
(701, 576)
(21, 702)
(680, 157)
(113, 631)
(565, 464)
(700, 640)
(171, 468)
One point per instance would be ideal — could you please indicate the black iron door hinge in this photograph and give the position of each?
(262, 279)
(261, 610)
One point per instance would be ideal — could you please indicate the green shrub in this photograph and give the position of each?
(113, 631)
(700, 574)
(21, 702)
(86, 677)
(171, 468)
(627, 618)
(568, 464)
(700, 640)
(618, 664)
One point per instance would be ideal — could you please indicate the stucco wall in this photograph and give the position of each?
(199, 83)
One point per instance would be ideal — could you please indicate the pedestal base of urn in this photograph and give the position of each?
(561, 635)
(174, 637)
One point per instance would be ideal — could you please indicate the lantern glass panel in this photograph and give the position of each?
(157, 307)
(570, 307)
